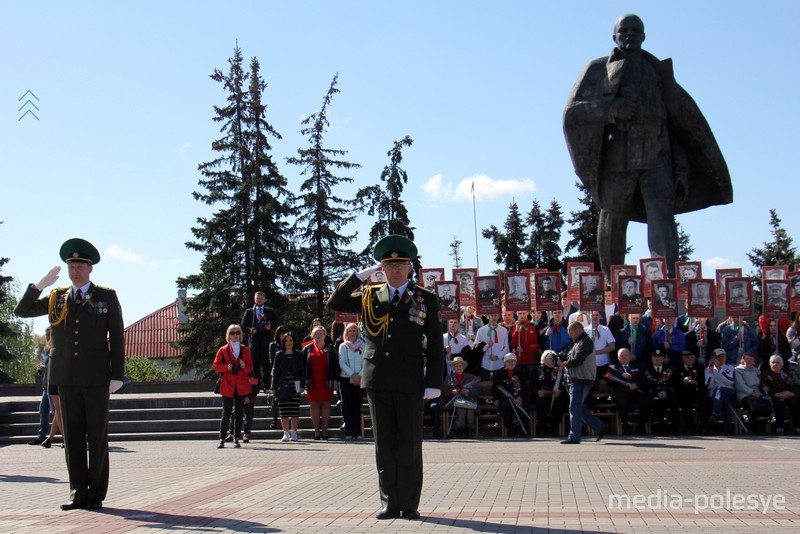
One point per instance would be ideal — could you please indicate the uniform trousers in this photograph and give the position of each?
(397, 426)
(84, 416)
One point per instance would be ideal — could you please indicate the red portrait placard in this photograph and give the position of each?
(776, 295)
(722, 274)
(517, 292)
(574, 268)
(629, 294)
(794, 285)
(345, 318)
(466, 283)
(664, 302)
(428, 277)
(548, 291)
(616, 272)
(488, 295)
(448, 292)
(700, 297)
(775, 272)
(652, 269)
(685, 271)
(739, 296)
(532, 282)
(592, 296)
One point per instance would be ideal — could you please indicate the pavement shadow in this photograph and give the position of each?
(651, 445)
(498, 528)
(195, 523)
(28, 479)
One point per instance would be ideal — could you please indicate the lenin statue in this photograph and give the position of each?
(641, 146)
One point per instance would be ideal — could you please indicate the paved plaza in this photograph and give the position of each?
(504, 486)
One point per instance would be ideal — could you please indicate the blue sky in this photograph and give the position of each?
(125, 107)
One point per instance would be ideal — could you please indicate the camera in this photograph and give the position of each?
(235, 368)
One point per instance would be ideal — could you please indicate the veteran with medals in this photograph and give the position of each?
(86, 363)
(397, 316)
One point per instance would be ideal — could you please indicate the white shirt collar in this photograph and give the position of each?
(84, 289)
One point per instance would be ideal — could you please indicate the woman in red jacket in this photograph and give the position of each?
(234, 362)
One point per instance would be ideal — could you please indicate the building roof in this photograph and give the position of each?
(150, 336)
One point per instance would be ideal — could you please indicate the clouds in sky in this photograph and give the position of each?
(127, 256)
(486, 188)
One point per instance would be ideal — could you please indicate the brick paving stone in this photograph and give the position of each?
(502, 486)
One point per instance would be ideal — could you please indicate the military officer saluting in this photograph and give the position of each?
(86, 363)
(397, 316)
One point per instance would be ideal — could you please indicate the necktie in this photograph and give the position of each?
(395, 299)
(78, 295)
(625, 369)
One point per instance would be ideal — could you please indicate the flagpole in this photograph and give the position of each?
(475, 219)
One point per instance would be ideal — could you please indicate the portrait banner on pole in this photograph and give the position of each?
(739, 300)
(700, 298)
(687, 270)
(630, 298)
(448, 292)
(466, 283)
(517, 292)
(488, 295)
(616, 272)
(548, 291)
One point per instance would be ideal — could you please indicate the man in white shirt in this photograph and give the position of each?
(604, 343)
(495, 345)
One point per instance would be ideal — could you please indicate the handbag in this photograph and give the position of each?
(760, 405)
(217, 385)
(285, 392)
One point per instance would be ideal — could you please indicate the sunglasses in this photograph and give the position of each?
(236, 332)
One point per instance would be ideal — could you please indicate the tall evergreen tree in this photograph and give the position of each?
(385, 201)
(322, 213)
(455, 252)
(551, 249)
(583, 231)
(8, 330)
(245, 242)
(778, 251)
(685, 247)
(508, 245)
(543, 250)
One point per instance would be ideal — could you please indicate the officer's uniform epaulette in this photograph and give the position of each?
(57, 289)
(104, 288)
(426, 289)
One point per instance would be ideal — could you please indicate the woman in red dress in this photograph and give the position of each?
(321, 373)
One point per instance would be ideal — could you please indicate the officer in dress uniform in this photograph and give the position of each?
(396, 316)
(86, 363)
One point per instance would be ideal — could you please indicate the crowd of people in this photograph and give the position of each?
(677, 375)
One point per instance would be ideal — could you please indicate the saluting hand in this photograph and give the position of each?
(50, 278)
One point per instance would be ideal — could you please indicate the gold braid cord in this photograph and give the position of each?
(56, 319)
(374, 326)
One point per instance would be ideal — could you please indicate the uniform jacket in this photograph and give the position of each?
(88, 346)
(701, 174)
(231, 382)
(393, 359)
(517, 384)
(656, 382)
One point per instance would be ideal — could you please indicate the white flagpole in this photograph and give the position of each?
(475, 219)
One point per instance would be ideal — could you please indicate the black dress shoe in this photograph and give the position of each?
(602, 433)
(570, 442)
(410, 514)
(36, 441)
(387, 513)
(94, 504)
(47, 443)
(73, 505)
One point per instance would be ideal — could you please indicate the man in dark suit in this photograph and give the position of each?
(397, 316)
(86, 363)
(260, 322)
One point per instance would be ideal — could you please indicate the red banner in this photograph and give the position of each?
(739, 300)
(616, 272)
(685, 271)
(700, 298)
(592, 297)
(664, 302)
(629, 294)
(517, 292)
(466, 280)
(548, 291)
(573, 283)
(448, 292)
(652, 269)
(488, 295)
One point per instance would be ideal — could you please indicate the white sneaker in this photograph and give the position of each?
(294, 436)
(285, 436)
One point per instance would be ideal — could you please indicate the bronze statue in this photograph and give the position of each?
(641, 146)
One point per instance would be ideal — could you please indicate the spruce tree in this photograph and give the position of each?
(508, 245)
(685, 247)
(9, 332)
(551, 249)
(322, 213)
(583, 230)
(246, 241)
(778, 251)
(385, 202)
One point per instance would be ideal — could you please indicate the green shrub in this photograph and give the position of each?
(140, 369)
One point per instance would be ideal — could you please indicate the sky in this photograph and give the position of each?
(125, 107)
